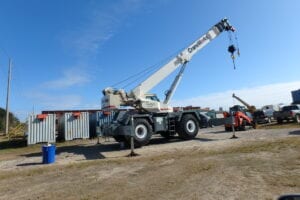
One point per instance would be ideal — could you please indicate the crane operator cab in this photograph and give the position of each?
(151, 103)
(115, 98)
(152, 97)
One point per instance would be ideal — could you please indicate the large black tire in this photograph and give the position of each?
(142, 133)
(279, 120)
(188, 127)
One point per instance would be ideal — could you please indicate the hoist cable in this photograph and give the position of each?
(132, 76)
(237, 44)
(135, 80)
(143, 73)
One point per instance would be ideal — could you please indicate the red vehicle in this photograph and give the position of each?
(239, 117)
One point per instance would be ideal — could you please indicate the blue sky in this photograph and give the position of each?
(65, 52)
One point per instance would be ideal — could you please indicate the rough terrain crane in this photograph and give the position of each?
(149, 115)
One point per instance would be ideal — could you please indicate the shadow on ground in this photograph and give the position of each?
(160, 140)
(90, 152)
(295, 132)
(29, 164)
(216, 132)
(12, 144)
(93, 152)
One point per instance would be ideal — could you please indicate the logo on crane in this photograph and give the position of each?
(199, 42)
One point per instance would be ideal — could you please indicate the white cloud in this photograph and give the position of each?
(71, 77)
(100, 26)
(258, 96)
(102, 23)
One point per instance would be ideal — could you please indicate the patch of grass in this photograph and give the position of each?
(45, 169)
(16, 143)
(185, 155)
(286, 180)
(15, 148)
(278, 126)
(258, 146)
(197, 168)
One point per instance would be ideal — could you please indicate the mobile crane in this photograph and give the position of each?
(149, 115)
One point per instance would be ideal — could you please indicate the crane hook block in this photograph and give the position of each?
(231, 49)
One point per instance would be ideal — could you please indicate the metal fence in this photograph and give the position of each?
(41, 128)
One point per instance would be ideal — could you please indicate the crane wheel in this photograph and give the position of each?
(142, 133)
(188, 127)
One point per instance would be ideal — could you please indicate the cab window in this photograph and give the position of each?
(153, 98)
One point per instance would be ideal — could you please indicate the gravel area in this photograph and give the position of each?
(207, 139)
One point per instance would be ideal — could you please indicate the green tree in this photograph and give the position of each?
(13, 121)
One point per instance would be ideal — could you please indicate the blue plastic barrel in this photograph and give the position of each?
(48, 154)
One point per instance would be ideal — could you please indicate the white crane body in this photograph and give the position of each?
(149, 114)
(139, 97)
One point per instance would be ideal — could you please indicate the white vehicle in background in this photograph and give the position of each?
(265, 114)
(270, 108)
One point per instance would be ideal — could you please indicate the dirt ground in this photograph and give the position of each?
(260, 164)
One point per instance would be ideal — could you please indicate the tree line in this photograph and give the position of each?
(13, 120)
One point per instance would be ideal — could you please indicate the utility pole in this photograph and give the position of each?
(7, 98)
